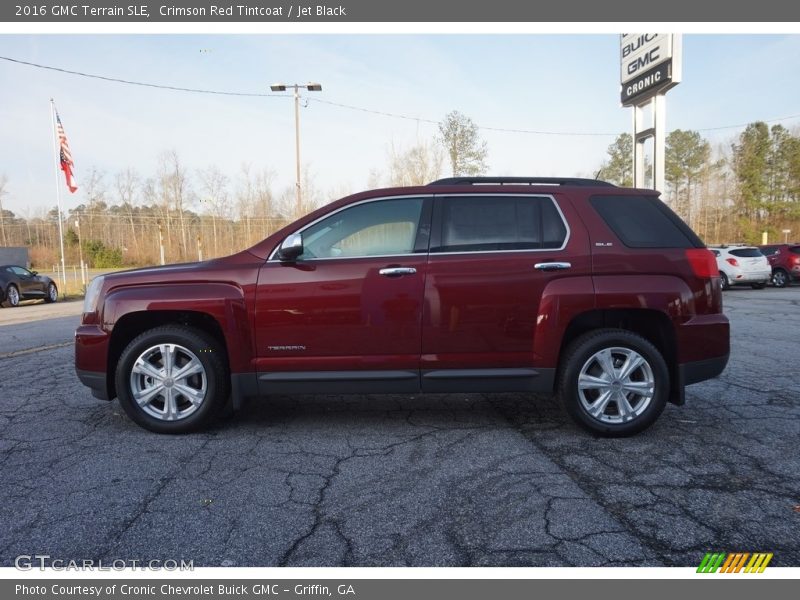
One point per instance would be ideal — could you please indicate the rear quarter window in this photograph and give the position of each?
(644, 222)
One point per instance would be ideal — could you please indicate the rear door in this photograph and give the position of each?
(491, 258)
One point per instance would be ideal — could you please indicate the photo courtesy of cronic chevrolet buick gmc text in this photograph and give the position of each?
(598, 293)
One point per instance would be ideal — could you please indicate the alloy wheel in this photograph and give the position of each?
(168, 382)
(616, 385)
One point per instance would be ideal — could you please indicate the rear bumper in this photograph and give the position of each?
(700, 370)
(95, 381)
(751, 277)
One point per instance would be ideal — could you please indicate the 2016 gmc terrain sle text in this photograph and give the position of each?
(598, 293)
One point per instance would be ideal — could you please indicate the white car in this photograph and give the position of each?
(742, 265)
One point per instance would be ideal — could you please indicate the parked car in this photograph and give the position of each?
(784, 259)
(599, 293)
(742, 265)
(18, 283)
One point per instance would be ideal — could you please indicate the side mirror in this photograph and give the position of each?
(291, 248)
(34, 273)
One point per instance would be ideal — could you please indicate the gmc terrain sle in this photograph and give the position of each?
(599, 293)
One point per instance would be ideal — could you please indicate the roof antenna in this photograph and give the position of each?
(597, 175)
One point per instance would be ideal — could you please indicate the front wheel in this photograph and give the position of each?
(173, 379)
(613, 382)
(52, 293)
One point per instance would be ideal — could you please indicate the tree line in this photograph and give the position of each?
(728, 193)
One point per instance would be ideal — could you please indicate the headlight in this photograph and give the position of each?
(92, 294)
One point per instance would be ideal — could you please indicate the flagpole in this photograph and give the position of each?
(58, 198)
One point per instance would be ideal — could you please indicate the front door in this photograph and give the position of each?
(347, 314)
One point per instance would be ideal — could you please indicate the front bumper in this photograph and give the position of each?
(94, 381)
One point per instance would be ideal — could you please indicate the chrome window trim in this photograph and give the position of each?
(429, 253)
(345, 207)
(513, 195)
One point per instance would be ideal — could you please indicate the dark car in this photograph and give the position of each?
(785, 262)
(18, 283)
(537, 285)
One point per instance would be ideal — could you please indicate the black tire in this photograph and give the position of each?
(51, 295)
(12, 296)
(726, 285)
(780, 278)
(205, 349)
(581, 352)
(758, 286)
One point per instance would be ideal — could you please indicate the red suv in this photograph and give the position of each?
(599, 293)
(785, 262)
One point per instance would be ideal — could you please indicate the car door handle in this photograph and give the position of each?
(397, 271)
(552, 266)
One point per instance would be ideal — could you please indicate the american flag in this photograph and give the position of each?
(65, 156)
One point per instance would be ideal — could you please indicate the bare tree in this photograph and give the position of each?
(3, 192)
(127, 183)
(417, 165)
(214, 194)
(461, 140)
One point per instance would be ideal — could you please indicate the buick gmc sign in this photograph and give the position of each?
(649, 64)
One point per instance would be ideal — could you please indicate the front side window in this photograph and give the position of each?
(19, 271)
(380, 228)
(490, 223)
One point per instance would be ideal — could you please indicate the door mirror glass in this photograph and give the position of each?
(291, 248)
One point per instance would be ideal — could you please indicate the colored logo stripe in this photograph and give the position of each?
(734, 562)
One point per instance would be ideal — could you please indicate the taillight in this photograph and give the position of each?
(796, 260)
(703, 262)
(732, 261)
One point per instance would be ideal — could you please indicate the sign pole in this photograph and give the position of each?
(56, 156)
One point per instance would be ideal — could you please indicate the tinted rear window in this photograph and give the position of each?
(795, 249)
(485, 223)
(747, 252)
(644, 222)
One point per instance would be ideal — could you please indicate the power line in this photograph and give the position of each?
(349, 106)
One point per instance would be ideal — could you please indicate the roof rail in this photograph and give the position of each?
(577, 181)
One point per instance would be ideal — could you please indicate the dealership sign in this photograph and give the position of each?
(650, 63)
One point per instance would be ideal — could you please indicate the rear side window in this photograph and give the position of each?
(795, 249)
(746, 252)
(644, 222)
(769, 250)
(486, 223)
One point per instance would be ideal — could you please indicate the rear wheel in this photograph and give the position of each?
(52, 293)
(780, 278)
(173, 379)
(726, 284)
(613, 382)
(12, 296)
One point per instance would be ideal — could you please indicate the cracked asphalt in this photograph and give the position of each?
(450, 480)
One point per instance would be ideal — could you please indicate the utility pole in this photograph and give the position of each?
(80, 249)
(311, 87)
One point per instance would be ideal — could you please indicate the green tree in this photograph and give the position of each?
(462, 142)
(751, 167)
(618, 167)
(685, 159)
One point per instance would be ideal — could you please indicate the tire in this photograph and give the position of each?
(780, 278)
(209, 383)
(758, 286)
(582, 360)
(726, 284)
(12, 296)
(52, 293)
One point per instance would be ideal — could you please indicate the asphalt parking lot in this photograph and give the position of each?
(462, 479)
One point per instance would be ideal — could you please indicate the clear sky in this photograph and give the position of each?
(566, 83)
